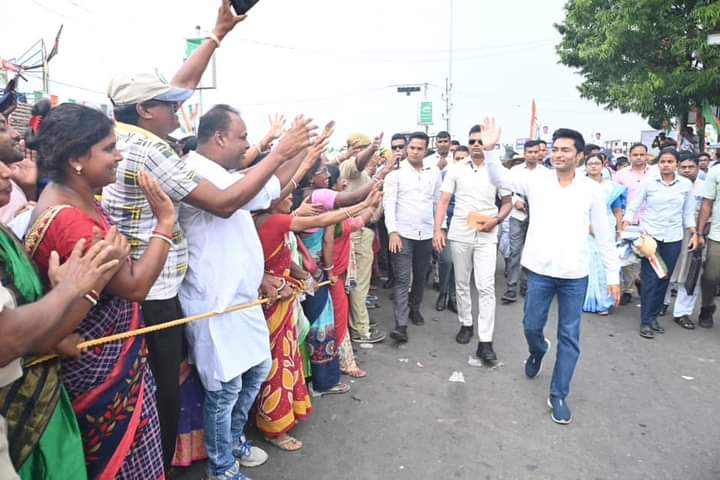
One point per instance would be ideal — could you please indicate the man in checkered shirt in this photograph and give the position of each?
(145, 107)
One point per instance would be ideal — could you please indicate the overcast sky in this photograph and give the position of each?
(332, 59)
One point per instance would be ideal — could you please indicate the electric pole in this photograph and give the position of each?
(447, 96)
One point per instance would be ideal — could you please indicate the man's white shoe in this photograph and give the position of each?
(253, 457)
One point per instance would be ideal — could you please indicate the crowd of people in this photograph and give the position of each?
(109, 225)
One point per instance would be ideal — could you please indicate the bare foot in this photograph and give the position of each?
(356, 373)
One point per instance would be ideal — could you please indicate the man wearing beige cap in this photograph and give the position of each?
(354, 171)
(145, 106)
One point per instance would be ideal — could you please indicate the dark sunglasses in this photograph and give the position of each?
(472, 141)
(397, 147)
(156, 103)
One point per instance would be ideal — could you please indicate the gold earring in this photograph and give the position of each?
(78, 170)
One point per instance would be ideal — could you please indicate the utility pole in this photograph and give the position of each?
(447, 96)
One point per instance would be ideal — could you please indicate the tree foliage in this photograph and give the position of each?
(645, 56)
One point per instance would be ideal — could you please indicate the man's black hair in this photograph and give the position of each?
(636, 145)
(419, 136)
(530, 144)
(462, 148)
(217, 119)
(475, 129)
(571, 134)
(443, 134)
(399, 136)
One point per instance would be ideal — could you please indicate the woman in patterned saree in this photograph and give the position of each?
(111, 386)
(283, 398)
(597, 299)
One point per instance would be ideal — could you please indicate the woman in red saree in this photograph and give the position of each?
(343, 265)
(283, 398)
(111, 386)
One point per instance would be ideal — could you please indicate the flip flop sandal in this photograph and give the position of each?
(685, 322)
(283, 444)
(338, 389)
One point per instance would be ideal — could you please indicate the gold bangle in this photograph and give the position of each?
(214, 38)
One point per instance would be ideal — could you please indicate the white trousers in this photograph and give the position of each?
(476, 260)
(684, 303)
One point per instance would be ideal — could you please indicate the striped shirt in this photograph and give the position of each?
(127, 206)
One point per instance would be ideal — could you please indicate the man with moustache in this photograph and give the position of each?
(631, 177)
(519, 220)
(411, 194)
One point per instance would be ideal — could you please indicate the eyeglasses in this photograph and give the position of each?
(156, 103)
(397, 147)
(473, 141)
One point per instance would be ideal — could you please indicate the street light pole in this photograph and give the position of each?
(447, 97)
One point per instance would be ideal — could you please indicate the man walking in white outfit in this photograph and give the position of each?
(473, 244)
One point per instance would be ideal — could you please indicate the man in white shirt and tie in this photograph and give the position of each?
(411, 194)
(564, 207)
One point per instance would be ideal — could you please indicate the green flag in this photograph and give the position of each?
(710, 117)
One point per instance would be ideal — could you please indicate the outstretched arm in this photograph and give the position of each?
(192, 70)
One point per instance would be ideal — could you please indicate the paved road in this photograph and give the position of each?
(643, 409)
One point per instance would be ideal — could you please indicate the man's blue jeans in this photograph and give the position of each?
(571, 296)
(225, 414)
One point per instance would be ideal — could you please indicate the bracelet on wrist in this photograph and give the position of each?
(214, 38)
(90, 299)
(283, 282)
(162, 237)
(329, 269)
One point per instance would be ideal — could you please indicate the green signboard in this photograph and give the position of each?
(426, 113)
(192, 44)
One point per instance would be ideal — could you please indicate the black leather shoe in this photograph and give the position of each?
(486, 353)
(399, 334)
(625, 298)
(441, 303)
(416, 318)
(646, 332)
(464, 335)
(509, 297)
(663, 310)
(705, 320)
(389, 283)
(656, 327)
(452, 304)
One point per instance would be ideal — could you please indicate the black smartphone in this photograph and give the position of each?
(241, 7)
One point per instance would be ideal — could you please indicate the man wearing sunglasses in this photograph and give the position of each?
(145, 107)
(473, 247)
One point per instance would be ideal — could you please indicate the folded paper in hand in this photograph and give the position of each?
(477, 220)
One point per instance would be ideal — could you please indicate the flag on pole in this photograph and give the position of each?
(533, 121)
(54, 50)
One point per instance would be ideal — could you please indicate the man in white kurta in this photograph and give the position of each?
(231, 351)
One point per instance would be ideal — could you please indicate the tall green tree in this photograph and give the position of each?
(650, 57)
